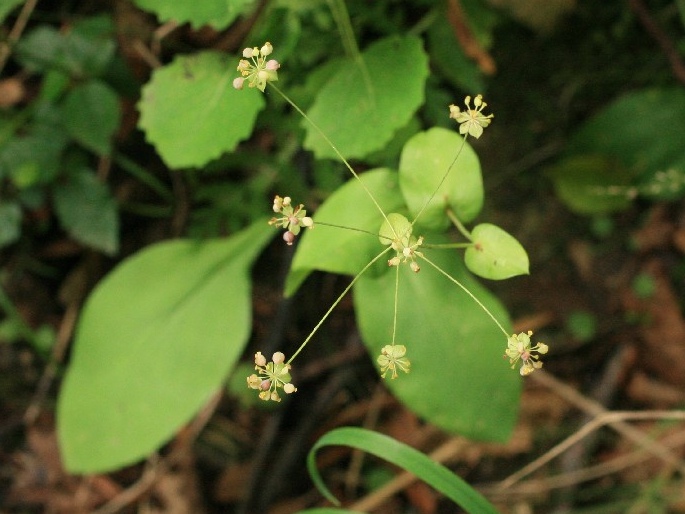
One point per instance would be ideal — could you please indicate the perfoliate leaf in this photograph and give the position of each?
(192, 114)
(362, 106)
(217, 13)
(496, 254)
(155, 340)
(424, 162)
(87, 211)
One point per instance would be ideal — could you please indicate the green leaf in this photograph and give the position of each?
(155, 340)
(10, 222)
(191, 112)
(458, 379)
(217, 13)
(91, 115)
(592, 184)
(424, 161)
(7, 6)
(360, 113)
(87, 211)
(496, 254)
(642, 132)
(343, 251)
(404, 456)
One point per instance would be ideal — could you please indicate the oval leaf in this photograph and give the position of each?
(454, 347)
(217, 13)
(424, 161)
(361, 108)
(343, 251)
(496, 254)
(192, 114)
(407, 458)
(91, 115)
(156, 338)
(87, 210)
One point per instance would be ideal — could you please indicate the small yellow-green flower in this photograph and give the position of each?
(520, 347)
(292, 218)
(471, 121)
(392, 358)
(257, 71)
(270, 377)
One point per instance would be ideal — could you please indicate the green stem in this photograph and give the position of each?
(442, 181)
(453, 218)
(465, 289)
(137, 171)
(447, 246)
(397, 294)
(336, 302)
(323, 223)
(335, 149)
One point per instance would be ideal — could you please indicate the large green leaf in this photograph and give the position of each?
(343, 251)
(91, 115)
(424, 161)
(217, 13)
(192, 114)
(404, 456)
(87, 210)
(155, 340)
(360, 113)
(458, 379)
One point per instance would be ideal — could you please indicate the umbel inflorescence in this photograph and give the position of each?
(395, 233)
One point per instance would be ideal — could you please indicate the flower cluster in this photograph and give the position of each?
(270, 377)
(392, 358)
(471, 121)
(259, 71)
(520, 347)
(407, 252)
(292, 218)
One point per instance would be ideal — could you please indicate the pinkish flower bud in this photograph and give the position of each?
(265, 385)
(272, 65)
(238, 83)
(278, 357)
(259, 359)
(289, 238)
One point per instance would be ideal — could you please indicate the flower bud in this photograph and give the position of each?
(248, 52)
(265, 385)
(259, 359)
(288, 237)
(238, 83)
(278, 358)
(307, 222)
(272, 65)
(289, 388)
(414, 266)
(267, 49)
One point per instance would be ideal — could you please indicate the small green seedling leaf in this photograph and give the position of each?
(219, 14)
(346, 251)
(91, 115)
(424, 161)
(192, 114)
(394, 227)
(495, 254)
(404, 456)
(87, 211)
(155, 340)
(362, 107)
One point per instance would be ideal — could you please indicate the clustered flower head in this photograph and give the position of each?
(392, 358)
(271, 377)
(259, 71)
(471, 121)
(292, 218)
(407, 252)
(520, 347)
